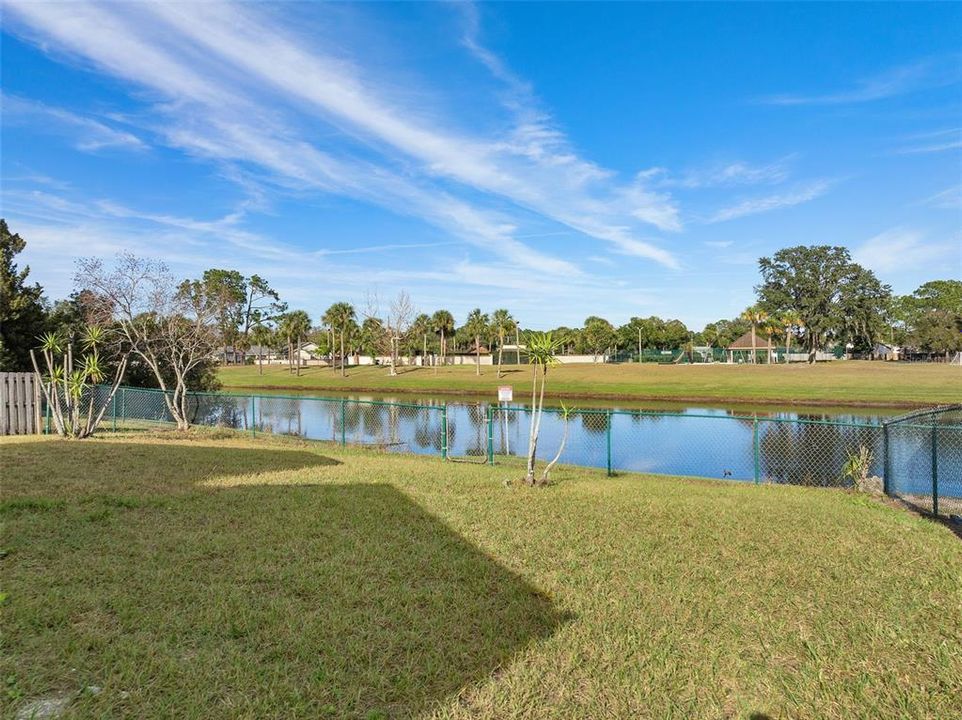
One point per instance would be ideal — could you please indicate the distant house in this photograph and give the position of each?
(741, 349)
(883, 351)
(229, 355)
(258, 353)
(470, 356)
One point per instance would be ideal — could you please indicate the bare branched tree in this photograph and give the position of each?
(172, 327)
(398, 322)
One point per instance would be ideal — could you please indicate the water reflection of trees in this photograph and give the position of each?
(477, 416)
(283, 416)
(219, 411)
(813, 453)
(593, 422)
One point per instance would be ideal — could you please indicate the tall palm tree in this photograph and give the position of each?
(339, 317)
(261, 335)
(502, 323)
(756, 316)
(297, 325)
(477, 324)
(420, 329)
(772, 329)
(443, 323)
(790, 320)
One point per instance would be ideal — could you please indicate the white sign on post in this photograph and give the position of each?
(505, 393)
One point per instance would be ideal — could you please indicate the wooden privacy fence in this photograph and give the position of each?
(20, 405)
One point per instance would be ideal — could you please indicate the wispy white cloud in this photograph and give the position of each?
(234, 77)
(59, 228)
(719, 243)
(732, 174)
(901, 249)
(87, 134)
(767, 203)
(897, 81)
(933, 142)
(948, 199)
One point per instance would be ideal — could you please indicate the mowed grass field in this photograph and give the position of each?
(162, 576)
(839, 383)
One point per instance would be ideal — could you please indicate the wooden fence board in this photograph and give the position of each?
(20, 405)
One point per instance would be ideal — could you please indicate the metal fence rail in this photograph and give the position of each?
(917, 457)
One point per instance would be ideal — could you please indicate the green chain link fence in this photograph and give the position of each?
(917, 457)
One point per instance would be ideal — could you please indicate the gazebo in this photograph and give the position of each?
(743, 346)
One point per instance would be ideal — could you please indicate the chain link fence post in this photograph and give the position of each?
(755, 450)
(444, 431)
(935, 469)
(123, 405)
(608, 439)
(490, 414)
(886, 464)
(113, 412)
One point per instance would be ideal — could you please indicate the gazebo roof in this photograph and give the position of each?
(745, 342)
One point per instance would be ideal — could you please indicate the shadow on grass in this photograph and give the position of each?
(72, 468)
(346, 601)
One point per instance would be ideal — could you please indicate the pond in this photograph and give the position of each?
(801, 446)
(808, 446)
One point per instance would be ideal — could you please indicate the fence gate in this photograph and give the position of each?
(19, 404)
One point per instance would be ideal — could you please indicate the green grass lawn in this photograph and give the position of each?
(838, 383)
(223, 577)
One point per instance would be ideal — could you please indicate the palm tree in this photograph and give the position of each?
(502, 323)
(756, 316)
(477, 325)
(420, 327)
(443, 323)
(339, 317)
(261, 335)
(772, 329)
(542, 354)
(790, 320)
(295, 325)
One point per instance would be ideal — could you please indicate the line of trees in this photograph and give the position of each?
(174, 331)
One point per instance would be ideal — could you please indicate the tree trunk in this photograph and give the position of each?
(533, 427)
(298, 356)
(547, 471)
(788, 345)
(500, 353)
(477, 355)
(343, 371)
(754, 356)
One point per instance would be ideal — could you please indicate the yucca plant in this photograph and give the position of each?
(542, 354)
(857, 468)
(69, 385)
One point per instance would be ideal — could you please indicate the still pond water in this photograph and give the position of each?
(807, 445)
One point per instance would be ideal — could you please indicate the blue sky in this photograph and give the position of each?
(561, 160)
